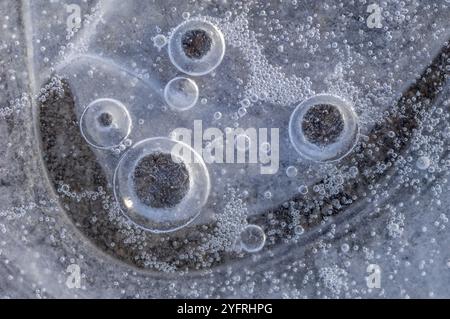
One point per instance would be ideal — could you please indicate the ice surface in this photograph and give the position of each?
(384, 204)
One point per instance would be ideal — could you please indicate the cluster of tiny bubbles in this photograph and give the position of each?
(223, 237)
(230, 224)
(340, 83)
(66, 190)
(15, 106)
(266, 82)
(335, 279)
(17, 212)
(427, 159)
(396, 223)
(131, 235)
(54, 87)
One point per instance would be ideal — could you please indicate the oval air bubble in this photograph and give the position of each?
(161, 185)
(324, 128)
(181, 94)
(105, 123)
(196, 47)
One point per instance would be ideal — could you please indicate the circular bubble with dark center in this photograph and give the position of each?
(196, 43)
(323, 124)
(160, 182)
(324, 128)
